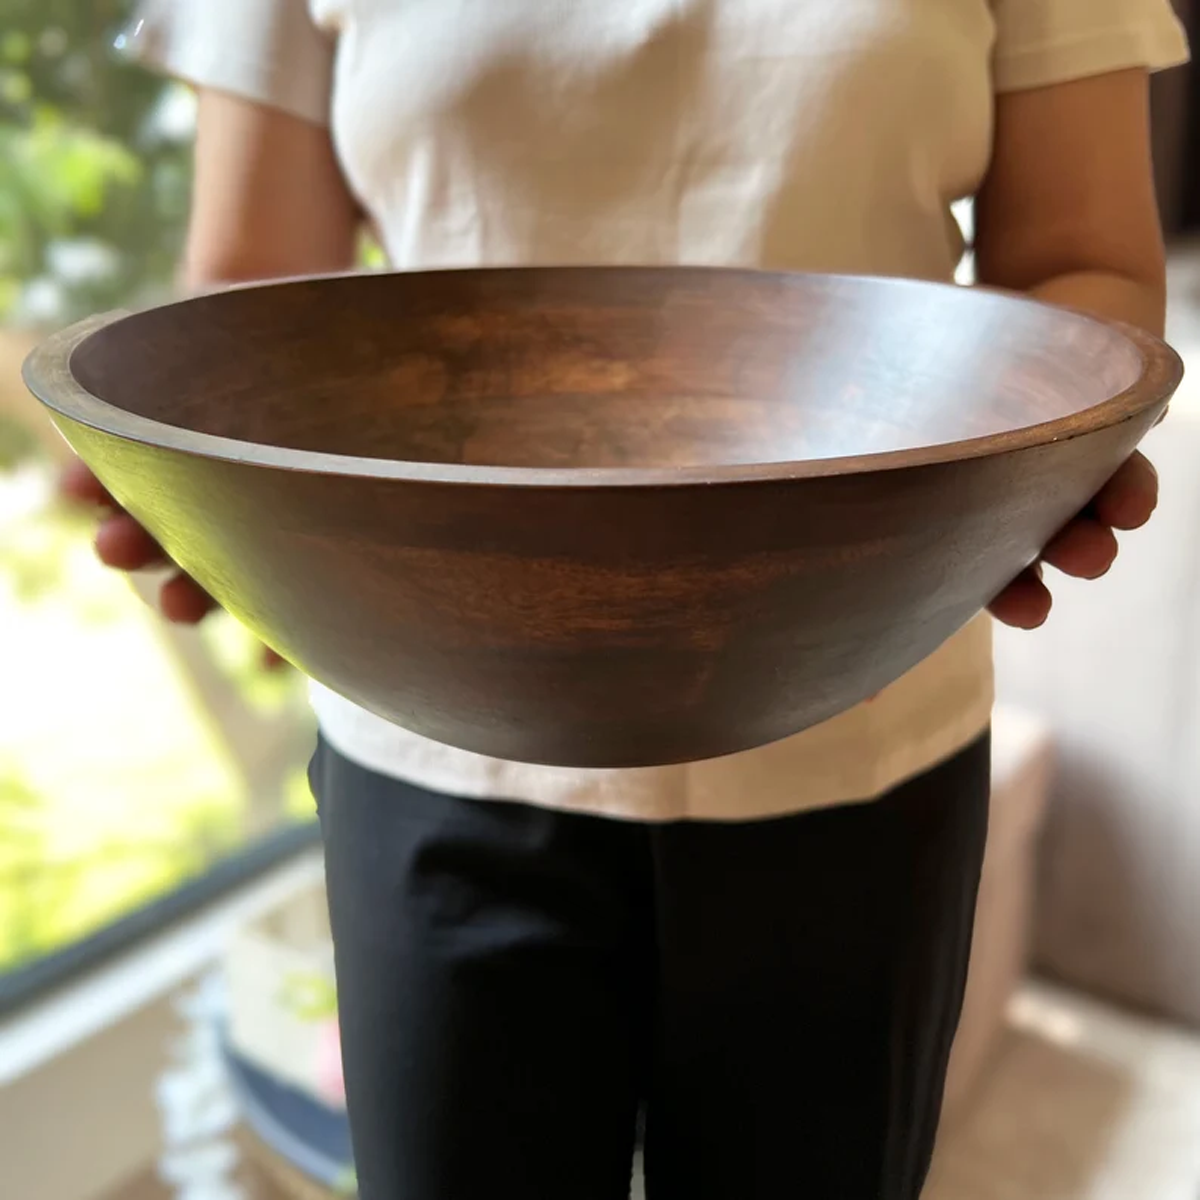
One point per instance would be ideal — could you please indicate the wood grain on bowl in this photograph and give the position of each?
(604, 517)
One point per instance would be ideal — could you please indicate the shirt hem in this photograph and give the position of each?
(672, 800)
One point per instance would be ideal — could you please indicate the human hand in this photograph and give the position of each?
(121, 543)
(1087, 547)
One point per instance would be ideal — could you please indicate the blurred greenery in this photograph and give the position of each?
(17, 442)
(118, 778)
(115, 783)
(94, 164)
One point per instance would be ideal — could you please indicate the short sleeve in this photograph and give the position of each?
(1042, 42)
(270, 51)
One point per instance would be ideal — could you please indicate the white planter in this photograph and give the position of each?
(267, 964)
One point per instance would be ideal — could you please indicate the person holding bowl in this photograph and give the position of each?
(765, 953)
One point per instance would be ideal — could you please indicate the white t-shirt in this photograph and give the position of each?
(817, 135)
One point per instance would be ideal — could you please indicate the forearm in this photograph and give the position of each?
(1067, 211)
(1106, 294)
(199, 275)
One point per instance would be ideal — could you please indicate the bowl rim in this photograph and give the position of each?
(47, 374)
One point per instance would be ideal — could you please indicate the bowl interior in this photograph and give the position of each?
(604, 368)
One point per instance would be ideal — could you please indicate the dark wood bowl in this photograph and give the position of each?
(604, 517)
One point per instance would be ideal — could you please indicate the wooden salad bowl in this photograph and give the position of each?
(604, 517)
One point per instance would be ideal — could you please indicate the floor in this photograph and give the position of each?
(1083, 1103)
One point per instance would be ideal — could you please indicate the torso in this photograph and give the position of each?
(766, 133)
(776, 133)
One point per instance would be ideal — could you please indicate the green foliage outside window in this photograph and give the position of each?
(94, 164)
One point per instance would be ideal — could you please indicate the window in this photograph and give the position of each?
(139, 765)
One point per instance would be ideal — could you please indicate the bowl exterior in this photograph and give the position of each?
(607, 626)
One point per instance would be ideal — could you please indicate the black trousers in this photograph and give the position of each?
(778, 997)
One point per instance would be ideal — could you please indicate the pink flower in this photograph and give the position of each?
(331, 1082)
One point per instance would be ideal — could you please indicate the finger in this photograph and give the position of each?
(1130, 497)
(1025, 603)
(272, 661)
(1086, 549)
(184, 601)
(79, 485)
(122, 543)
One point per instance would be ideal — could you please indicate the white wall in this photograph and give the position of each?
(1116, 672)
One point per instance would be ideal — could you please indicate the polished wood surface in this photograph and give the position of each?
(604, 517)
